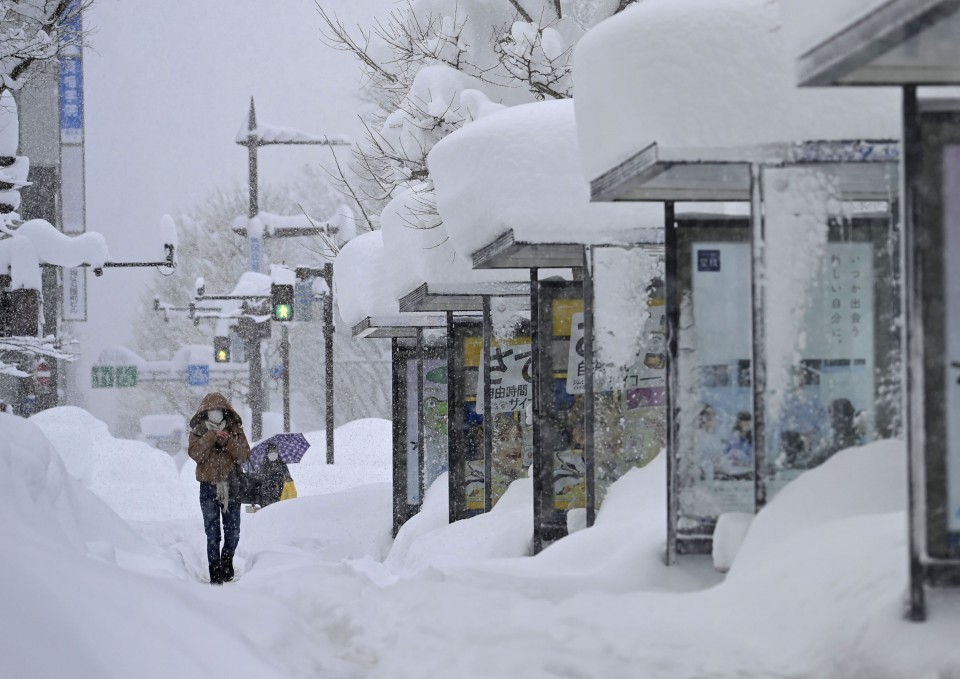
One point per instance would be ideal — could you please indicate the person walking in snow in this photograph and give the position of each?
(275, 474)
(218, 446)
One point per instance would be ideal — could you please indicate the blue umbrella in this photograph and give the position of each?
(290, 448)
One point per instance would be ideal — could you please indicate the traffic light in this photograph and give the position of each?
(221, 349)
(281, 301)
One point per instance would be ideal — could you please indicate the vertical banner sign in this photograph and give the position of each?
(951, 232)
(75, 294)
(73, 198)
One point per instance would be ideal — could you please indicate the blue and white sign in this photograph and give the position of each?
(276, 372)
(708, 260)
(71, 100)
(198, 375)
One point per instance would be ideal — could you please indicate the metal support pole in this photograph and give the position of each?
(589, 453)
(255, 361)
(535, 392)
(672, 290)
(285, 363)
(487, 407)
(758, 358)
(253, 250)
(328, 330)
(913, 345)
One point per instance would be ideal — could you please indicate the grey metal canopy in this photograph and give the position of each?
(901, 42)
(459, 296)
(508, 253)
(387, 327)
(724, 174)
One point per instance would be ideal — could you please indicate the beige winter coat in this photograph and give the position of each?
(215, 458)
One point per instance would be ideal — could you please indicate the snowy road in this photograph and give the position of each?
(323, 591)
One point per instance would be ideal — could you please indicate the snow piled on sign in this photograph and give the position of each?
(520, 169)
(723, 77)
(815, 591)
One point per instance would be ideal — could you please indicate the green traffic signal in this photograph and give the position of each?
(281, 299)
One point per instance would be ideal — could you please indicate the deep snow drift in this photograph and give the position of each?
(111, 586)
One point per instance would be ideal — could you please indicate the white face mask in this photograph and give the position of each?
(272, 455)
(215, 416)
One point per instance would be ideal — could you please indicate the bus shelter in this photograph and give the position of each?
(770, 374)
(419, 396)
(463, 304)
(910, 44)
(559, 466)
(754, 357)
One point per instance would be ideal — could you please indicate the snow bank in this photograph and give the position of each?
(134, 479)
(61, 546)
(363, 453)
(871, 479)
(520, 169)
(707, 73)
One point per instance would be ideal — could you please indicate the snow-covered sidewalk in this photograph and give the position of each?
(103, 563)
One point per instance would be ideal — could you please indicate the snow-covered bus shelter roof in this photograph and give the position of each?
(876, 42)
(515, 176)
(459, 296)
(689, 93)
(400, 326)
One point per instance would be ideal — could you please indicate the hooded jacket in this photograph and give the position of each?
(216, 459)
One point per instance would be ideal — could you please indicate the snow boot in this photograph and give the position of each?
(216, 574)
(226, 569)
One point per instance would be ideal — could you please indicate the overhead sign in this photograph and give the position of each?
(198, 375)
(106, 376)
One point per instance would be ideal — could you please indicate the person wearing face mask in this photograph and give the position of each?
(218, 446)
(275, 475)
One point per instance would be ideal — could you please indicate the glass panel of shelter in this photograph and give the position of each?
(419, 394)
(831, 319)
(712, 469)
(559, 465)
(938, 242)
(625, 333)
(509, 364)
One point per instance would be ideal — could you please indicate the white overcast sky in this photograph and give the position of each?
(167, 85)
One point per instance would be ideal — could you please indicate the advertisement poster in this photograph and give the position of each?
(716, 464)
(565, 408)
(511, 393)
(435, 406)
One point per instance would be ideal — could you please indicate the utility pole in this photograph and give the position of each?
(328, 330)
(253, 141)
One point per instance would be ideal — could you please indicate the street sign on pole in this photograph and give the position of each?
(198, 375)
(127, 375)
(102, 376)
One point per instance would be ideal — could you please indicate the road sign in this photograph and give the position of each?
(102, 376)
(126, 375)
(276, 372)
(42, 374)
(198, 375)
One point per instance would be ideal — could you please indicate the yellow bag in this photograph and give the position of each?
(289, 490)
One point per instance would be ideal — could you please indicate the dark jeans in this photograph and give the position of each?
(211, 524)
